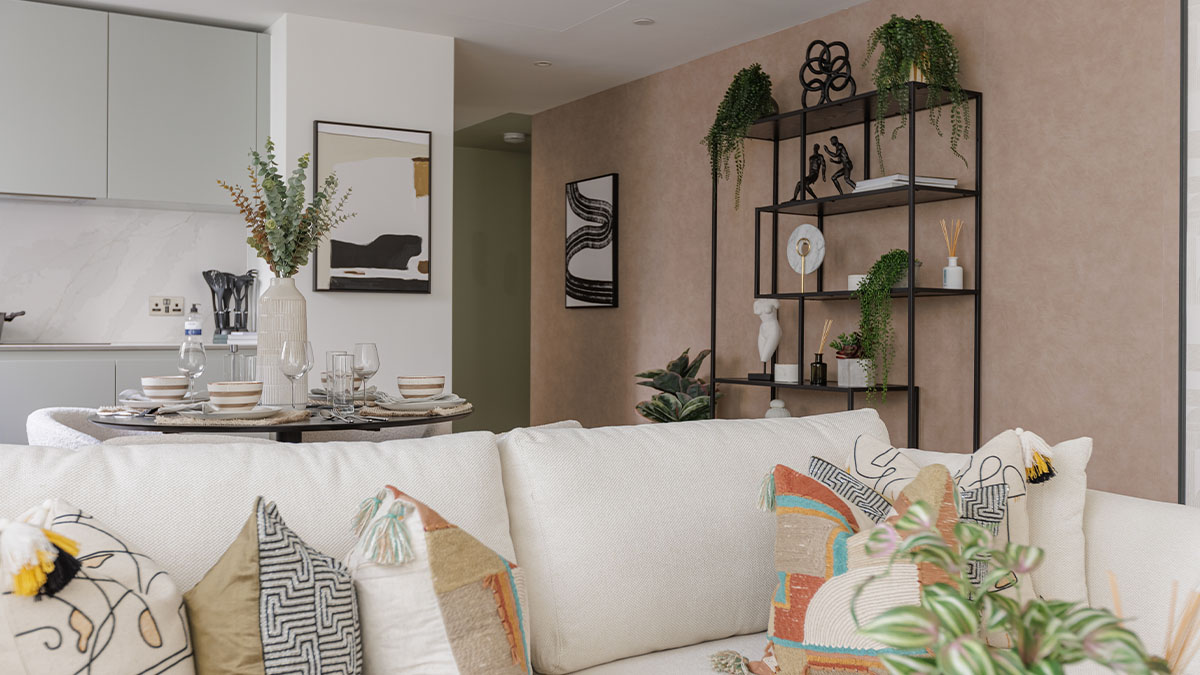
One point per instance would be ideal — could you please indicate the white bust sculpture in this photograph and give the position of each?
(769, 333)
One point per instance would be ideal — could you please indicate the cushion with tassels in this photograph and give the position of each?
(433, 599)
(274, 604)
(77, 599)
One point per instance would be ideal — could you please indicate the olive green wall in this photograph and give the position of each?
(491, 287)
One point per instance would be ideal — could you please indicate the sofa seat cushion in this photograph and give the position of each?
(690, 660)
(641, 538)
(183, 504)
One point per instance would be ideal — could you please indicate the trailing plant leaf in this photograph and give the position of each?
(747, 99)
(284, 231)
(903, 43)
(949, 622)
(684, 396)
(875, 330)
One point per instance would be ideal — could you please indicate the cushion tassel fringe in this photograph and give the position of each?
(387, 541)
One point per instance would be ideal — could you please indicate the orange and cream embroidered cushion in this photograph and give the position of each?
(433, 600)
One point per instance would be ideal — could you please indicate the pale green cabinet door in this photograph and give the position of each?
(53, 68)
(182, 109)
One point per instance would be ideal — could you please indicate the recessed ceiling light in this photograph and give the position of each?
(514, 137)
(542, 64)
(644, 21)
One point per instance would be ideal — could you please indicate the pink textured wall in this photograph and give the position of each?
(1080, 234)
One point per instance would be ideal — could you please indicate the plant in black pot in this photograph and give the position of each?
(683, 397)
(877, 337)
(747, 99)
(918, 50)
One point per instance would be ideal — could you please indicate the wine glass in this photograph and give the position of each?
(366, 363)
(295, 361)
(192, 361)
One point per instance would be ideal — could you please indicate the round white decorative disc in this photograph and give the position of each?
(815, 249)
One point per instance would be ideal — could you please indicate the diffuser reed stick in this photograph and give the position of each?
(952, 241)
(1183, 630)
(825, 335)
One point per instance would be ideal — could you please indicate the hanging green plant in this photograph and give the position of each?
(747, 99)
(911, 49)
(877, 337)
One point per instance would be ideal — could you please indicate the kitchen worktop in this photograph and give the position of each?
(101, 347)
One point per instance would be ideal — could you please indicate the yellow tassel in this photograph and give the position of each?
(31, 578)
(1041, 470)
(69, 545)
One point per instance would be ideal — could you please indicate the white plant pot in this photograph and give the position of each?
(852, 373)
(282, 316)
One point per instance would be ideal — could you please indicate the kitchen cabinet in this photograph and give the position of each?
(182, 109)
(29, 385)
(53, 82)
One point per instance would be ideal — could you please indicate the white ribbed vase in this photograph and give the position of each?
(282, 316)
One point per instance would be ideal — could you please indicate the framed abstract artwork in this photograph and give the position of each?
(591, 241)
(385, 247)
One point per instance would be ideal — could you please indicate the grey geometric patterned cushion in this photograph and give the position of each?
(849, 488)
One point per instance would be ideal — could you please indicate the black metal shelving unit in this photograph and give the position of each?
(855, 111)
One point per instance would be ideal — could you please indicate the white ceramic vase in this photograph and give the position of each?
(282, 316)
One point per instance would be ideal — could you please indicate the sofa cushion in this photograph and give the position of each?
(643, 538)
(274, 604)
(183, 504)
(689, 660)
(119, 614)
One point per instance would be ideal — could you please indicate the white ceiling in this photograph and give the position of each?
(593, 44)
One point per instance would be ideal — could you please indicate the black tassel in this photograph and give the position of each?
(65, 569)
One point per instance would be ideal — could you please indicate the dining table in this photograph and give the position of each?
(284, 433)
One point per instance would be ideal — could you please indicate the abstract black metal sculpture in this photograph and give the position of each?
(840, 155)
(826, 70)
(816, 167)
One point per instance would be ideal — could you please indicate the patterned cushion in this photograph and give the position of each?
(273, 604)
(820, 560)
(854, 492)
(434, 600)
(120, 614)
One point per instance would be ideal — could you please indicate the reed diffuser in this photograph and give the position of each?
(818, 370)
(1183, 629)
(952, 274)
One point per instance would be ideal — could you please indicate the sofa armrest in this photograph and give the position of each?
(1147, 545)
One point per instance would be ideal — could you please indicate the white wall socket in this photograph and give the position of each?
(166, 305)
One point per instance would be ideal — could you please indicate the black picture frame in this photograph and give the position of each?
(322, 269)
(582, 292)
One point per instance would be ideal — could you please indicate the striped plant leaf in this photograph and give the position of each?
(955, 613)
(1045, 667)
(918, 517)
(902, 664)
(965, 656)
(907, 627)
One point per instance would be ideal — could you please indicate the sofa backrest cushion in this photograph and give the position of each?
(184, 504)
(641, 538)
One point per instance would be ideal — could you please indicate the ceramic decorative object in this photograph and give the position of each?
(282, 316)
(952, 274)
(805, 251)
(417, 387)
(853, 281)
(769, 333)
(852, 373)
(788, 373)
(165, 387)
(234, 396)
(777, 409)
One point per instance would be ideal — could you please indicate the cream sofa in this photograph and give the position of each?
(643, 550)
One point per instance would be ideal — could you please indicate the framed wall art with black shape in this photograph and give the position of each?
(591, 242)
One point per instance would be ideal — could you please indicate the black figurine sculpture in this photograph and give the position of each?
(826, 69)
(816, 167)
(840, 155)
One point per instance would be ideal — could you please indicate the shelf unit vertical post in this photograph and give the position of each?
(712, 327)
(978, 263)
(774, 237)
(913, 404)
(866, 138)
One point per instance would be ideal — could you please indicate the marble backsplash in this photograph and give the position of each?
(84, 272)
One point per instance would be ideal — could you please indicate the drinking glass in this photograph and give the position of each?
(366, 363)
(295, 361)
(191, 362)
(245, 368)
(341, 383)
(326, 382)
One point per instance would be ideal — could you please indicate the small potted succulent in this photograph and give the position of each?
(917, 50)
(747, 99)
(851, 368)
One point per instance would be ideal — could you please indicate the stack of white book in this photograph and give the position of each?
(237, 338)
(901, 180)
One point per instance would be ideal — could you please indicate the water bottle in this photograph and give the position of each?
(192, 324)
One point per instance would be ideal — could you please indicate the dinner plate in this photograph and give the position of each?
(423, 405)
(210, 413)
(138, 404)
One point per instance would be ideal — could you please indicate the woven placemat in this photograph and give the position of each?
(374, 411)
(284, 417)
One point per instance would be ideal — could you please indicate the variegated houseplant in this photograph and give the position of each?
(952, 618)
(683, 397)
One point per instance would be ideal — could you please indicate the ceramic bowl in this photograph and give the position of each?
(416, 387)
(234, 396)
(165, 387)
